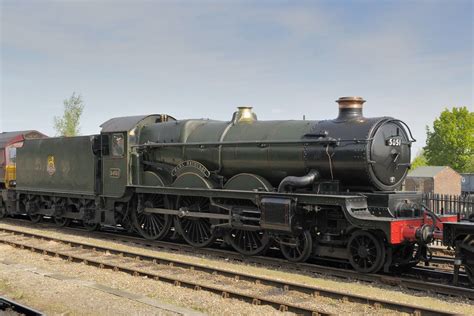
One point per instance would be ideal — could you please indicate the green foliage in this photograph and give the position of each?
(470, 165)
(451, 142)
(68, 124)
(420, 160)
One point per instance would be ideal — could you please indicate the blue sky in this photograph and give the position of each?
(193, 59)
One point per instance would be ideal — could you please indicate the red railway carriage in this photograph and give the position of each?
(9, 142)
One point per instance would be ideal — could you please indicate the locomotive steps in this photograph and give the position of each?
(197, 276)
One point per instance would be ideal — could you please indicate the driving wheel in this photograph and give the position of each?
(153, 226)
(195, 230)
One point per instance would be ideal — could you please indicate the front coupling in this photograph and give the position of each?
(424, 234)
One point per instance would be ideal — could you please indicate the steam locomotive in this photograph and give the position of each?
(324, 189)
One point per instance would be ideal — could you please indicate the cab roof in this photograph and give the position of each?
(127, 123)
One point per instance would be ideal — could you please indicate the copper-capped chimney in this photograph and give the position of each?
(350, 108)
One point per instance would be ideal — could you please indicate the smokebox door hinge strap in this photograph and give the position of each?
(330, 160)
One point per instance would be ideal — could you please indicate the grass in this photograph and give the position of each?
(9, 291)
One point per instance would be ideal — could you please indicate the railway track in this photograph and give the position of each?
(10, 307)
(423, 272)
(229, 284)
(410, 281)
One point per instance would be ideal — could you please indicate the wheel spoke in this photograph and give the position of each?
(246, 242)
(202, 231)
(196, 231)
(302, 249)
(154, 225)
(151, 225)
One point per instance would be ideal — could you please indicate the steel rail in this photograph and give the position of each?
(283, 285)
(442, 260)
(12, 307)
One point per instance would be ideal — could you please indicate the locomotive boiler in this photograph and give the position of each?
(326, 189)
(356, 153)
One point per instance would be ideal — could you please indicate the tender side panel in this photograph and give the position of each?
(63, 165)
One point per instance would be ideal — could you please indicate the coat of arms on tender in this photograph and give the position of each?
(51, 167)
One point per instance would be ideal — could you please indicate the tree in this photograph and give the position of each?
(420, 160)
(68, 124)
(451, 142)
(470, 165)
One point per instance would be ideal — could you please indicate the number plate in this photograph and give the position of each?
(394, 141)
(114, 173)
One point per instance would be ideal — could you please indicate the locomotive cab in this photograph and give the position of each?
(120, 164)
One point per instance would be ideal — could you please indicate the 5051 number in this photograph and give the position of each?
(394, 141)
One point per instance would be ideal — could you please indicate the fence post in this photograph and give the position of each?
(449, 204)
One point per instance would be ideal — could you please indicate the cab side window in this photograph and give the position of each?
(118, 145)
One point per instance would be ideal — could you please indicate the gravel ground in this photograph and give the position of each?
(250, 288)
(214, 304)
(74, 294)
(67, 297)
(27, 284)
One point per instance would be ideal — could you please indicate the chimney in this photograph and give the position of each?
(350, 108)
(244, 114)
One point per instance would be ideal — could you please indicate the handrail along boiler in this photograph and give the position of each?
(313, 188)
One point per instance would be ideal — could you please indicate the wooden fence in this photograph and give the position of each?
(449, 204)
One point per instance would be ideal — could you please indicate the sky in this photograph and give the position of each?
(202, 59)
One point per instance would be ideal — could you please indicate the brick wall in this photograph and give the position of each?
(425, 185)
(447, 181)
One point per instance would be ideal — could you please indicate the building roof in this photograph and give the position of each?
(426, 171)
(6, 137)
